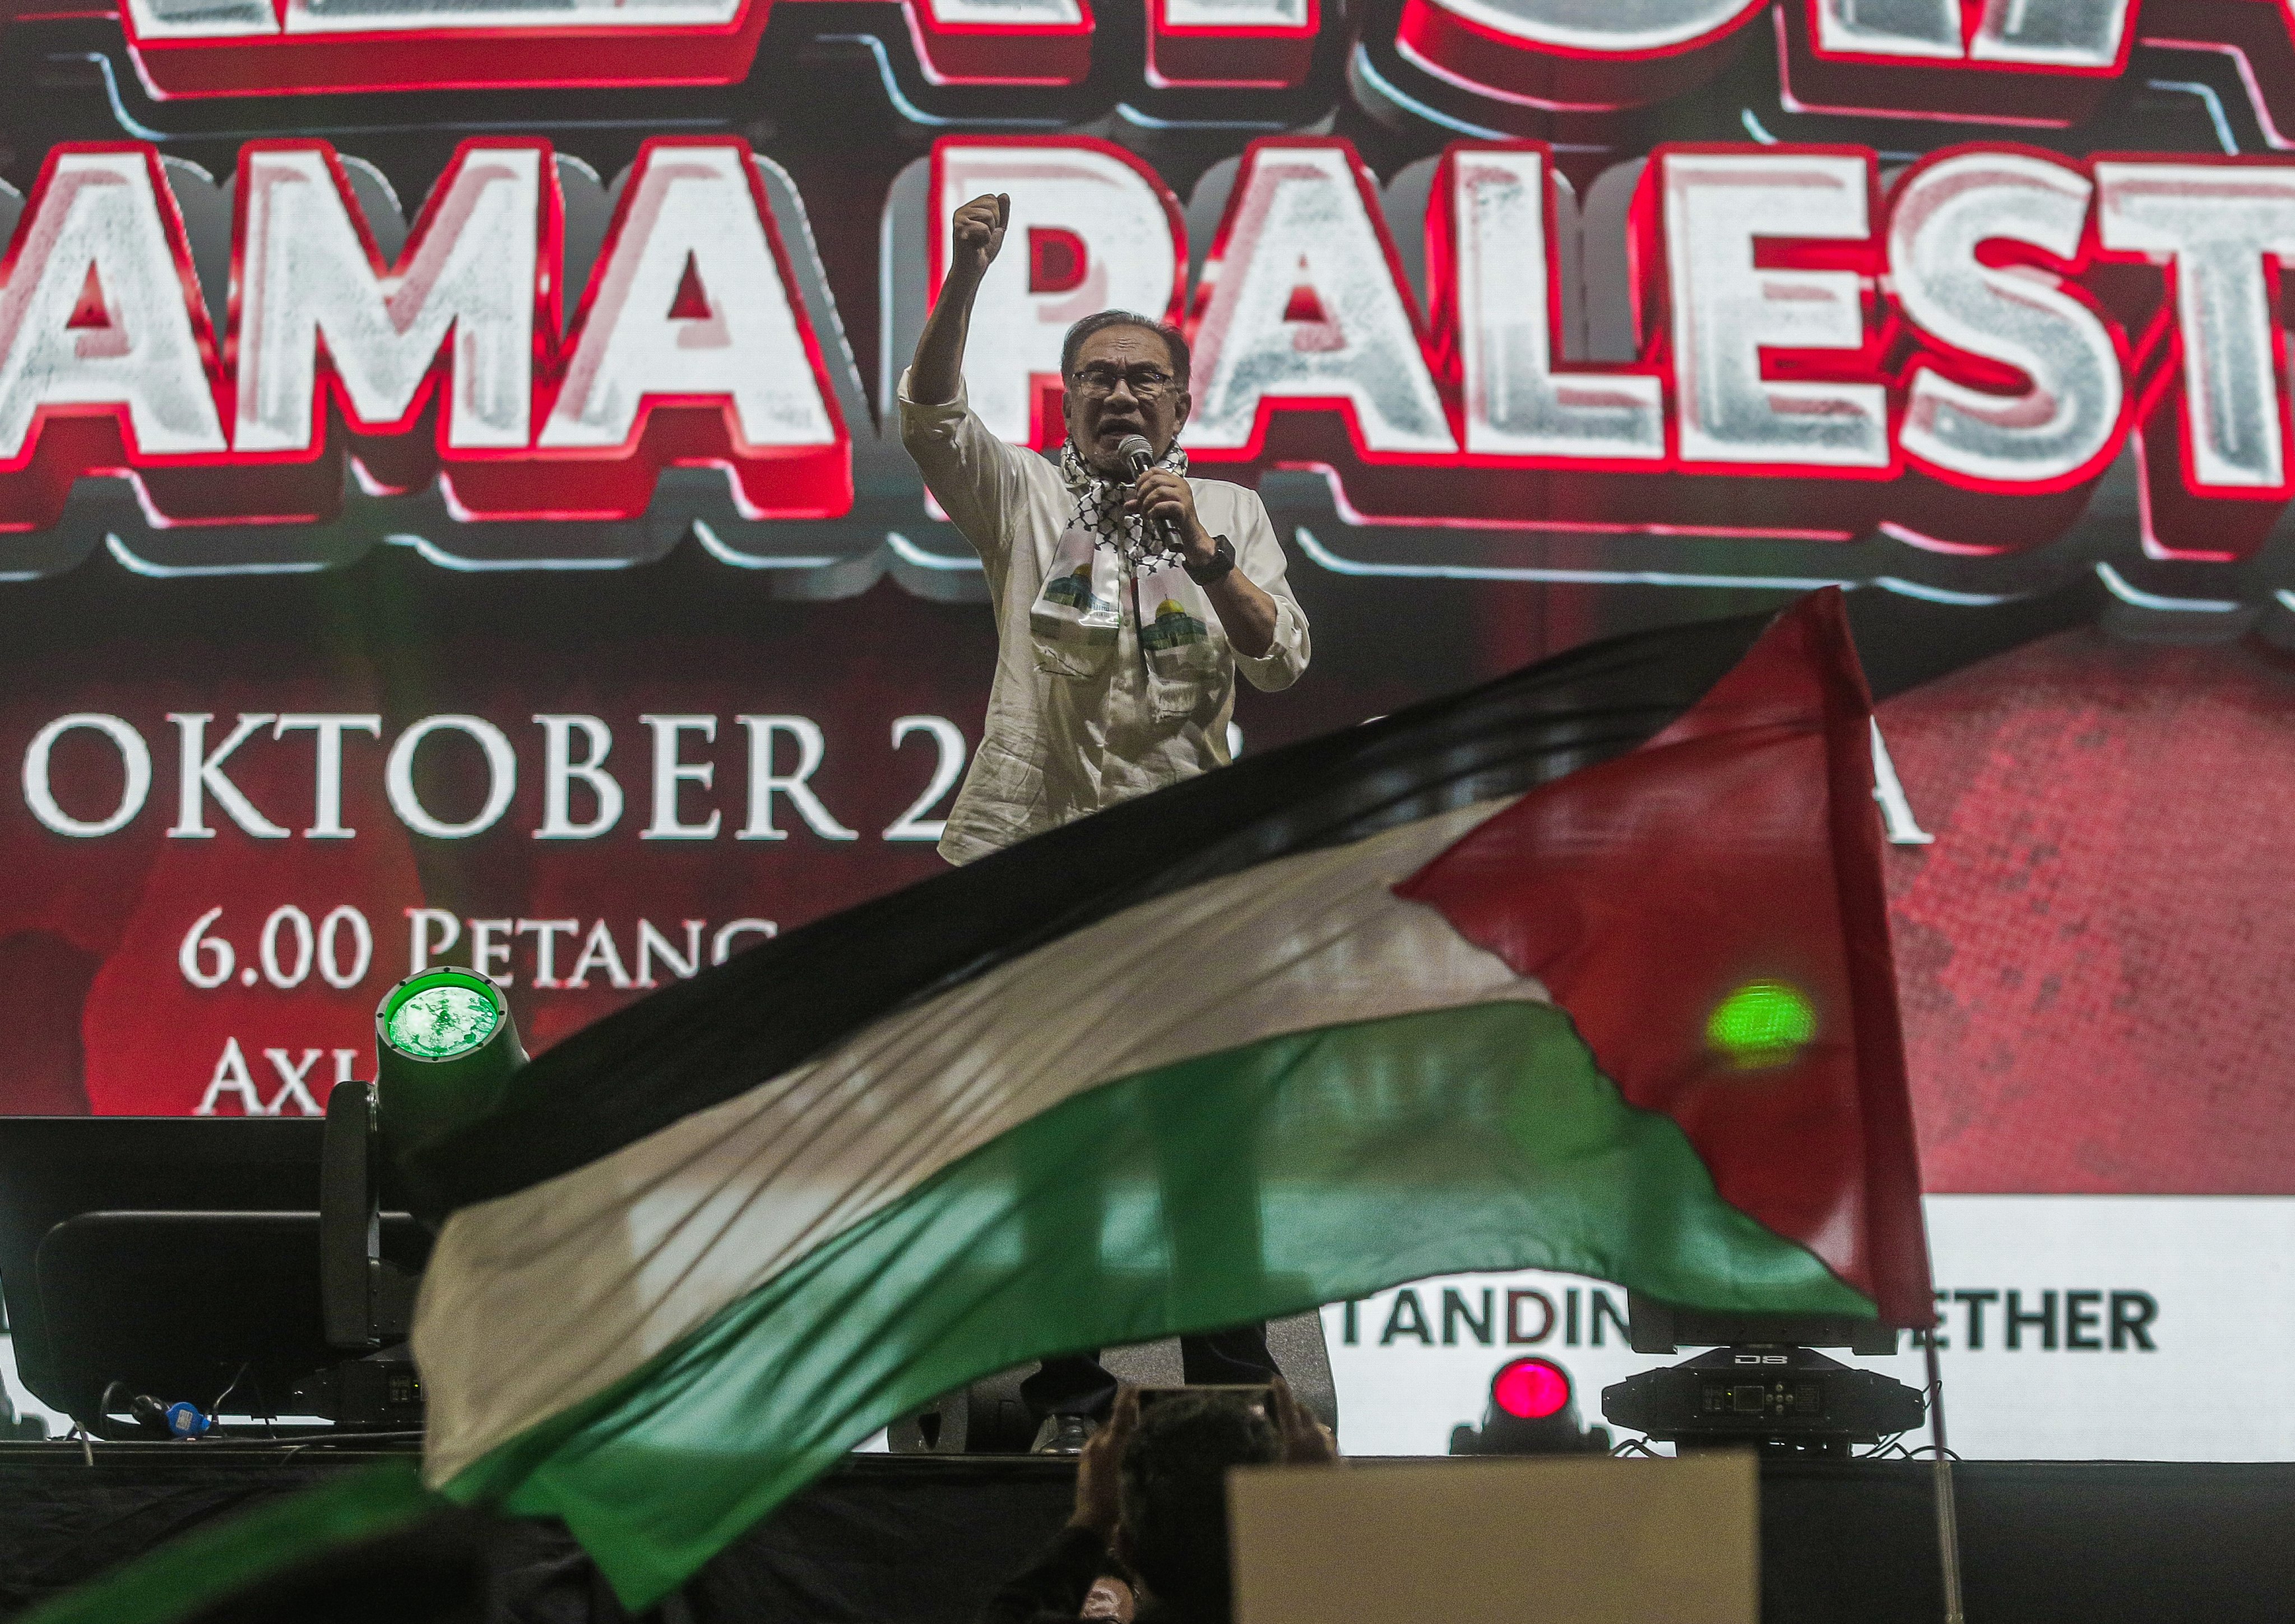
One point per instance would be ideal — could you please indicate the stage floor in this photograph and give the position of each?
(909, 1540)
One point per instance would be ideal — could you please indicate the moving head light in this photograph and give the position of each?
(1763, 1386)
(1783, 1400)
(1533, 1410)
(446, 1047)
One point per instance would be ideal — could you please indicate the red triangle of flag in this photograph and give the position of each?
(91, 311)
(691, 302)
(1709, 912)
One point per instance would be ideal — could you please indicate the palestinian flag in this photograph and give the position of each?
(1579, 970)
(1373, 1008)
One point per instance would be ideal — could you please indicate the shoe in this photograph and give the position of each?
(1063, 1435)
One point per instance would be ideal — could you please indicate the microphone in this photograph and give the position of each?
(1138, 456)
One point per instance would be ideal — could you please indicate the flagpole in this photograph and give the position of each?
(1948, 1520)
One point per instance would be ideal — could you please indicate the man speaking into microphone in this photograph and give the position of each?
(1127, 596)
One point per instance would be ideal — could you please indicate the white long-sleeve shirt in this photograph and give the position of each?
(1057, 747)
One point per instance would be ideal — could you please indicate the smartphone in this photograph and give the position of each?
(1254, 1395)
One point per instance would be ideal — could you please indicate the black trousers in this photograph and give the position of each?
(1077, 1385)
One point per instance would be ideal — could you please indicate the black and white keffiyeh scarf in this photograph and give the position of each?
(1099, 505)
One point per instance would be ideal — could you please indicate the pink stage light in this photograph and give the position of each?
(1530, 1389)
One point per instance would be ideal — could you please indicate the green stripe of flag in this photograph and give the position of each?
(1239, 1185)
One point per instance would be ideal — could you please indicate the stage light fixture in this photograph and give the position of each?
(442, 1019)
(1781, 1401)
(1530, 1389)
(1763, 1386)
(1532, 1411)
(445, 1049)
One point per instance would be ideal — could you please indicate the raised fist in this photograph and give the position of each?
(976, 232)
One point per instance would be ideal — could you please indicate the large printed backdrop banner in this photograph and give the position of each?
(450, 509)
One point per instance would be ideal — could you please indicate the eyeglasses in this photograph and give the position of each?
(1099, 380)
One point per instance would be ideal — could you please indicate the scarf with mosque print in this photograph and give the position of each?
(1110, 568)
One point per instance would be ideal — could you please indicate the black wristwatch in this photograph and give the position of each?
(1223, 561)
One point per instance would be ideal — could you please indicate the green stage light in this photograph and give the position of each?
(445, 1050)
(442, 1020)
(1763, 1022)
